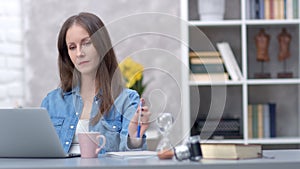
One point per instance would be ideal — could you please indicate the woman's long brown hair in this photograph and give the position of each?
(108, 77)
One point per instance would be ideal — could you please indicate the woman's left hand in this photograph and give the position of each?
(144, 121)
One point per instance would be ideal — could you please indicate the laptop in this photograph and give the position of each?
(29, 133)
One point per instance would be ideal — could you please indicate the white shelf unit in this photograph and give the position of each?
(239, 31)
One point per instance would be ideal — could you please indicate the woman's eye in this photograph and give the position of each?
(86, 43)
(71, 47)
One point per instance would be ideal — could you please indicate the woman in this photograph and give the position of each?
(91, 96)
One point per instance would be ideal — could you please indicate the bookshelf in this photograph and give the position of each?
(238, 29)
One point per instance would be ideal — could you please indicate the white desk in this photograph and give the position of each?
(282, 159)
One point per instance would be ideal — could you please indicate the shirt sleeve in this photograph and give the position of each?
(45, 103)
(131, 101)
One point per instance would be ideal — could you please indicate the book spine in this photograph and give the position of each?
(205, 60)
(295, 9)
(198, 54)
(261, 9)
(276, 9)
(250, 129)
(204, 77)
(254, 121)
(260, 124)
(267, 9)
(252, 9)
(272, 108)
(248, 5)
(272, 11)
(281, 9)
(266, 121)
(257, 15)
(284, 9)
(207, 68)
(289, 9)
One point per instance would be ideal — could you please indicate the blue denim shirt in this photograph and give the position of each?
(65, 109)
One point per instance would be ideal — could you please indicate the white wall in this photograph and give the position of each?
(11, 54)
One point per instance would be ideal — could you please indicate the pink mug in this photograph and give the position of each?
(89, 144)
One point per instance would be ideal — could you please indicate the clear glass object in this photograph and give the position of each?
(164, 123)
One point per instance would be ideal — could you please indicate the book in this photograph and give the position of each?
(272, 11)
(132, 154)
(250, 129)
(272, 111)
(295, 9)
(261, 4)
(229, 61)
(230, 151)
(266, 117)
(262, 120)
(248, 11)
(206, 60)
(289, 9)
(281, 9)
(278, 9)
(257, 9)
(252, 9)
(204, 54)
(254, 121)
(207, 68)
(206, 77)
(267, 9)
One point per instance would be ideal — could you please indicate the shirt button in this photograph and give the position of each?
(71, 127)
(114, 127)
(77, 113)
(67, 143)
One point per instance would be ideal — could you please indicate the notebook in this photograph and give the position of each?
(29, 133)
(132, 154)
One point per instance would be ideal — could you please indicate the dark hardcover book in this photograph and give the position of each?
(207, 68)
(272, 109)
(257, 15)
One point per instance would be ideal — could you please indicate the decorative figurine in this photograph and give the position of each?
(262, 40)
(284, 39)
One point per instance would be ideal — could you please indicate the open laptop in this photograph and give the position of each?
(29, 133)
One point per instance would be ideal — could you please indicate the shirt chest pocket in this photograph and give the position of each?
(58, 123)
(111, 125)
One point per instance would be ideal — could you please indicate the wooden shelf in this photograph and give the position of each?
(214, 23)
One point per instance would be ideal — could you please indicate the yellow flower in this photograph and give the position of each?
(133, 74)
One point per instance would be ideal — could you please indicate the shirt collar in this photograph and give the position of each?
(76, 91)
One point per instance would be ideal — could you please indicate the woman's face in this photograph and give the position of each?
(81, 50)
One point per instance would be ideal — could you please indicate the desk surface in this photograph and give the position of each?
(273, 159)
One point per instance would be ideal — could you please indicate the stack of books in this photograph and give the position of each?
(262, 120)
(207, 66)
(272, 9)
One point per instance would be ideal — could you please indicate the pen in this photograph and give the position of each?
(139, 121)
